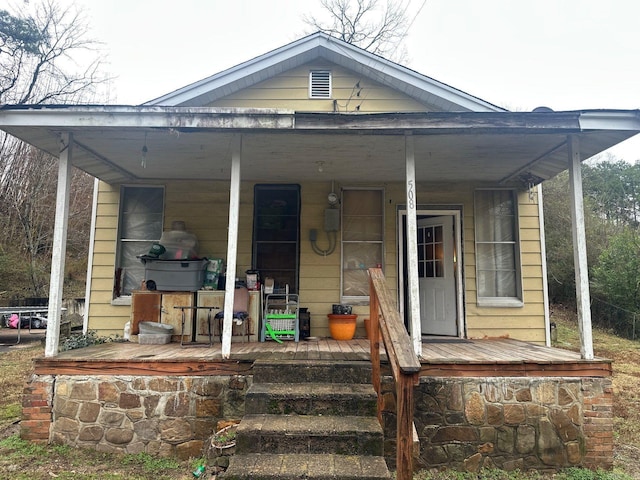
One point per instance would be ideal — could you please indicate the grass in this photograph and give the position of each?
(23, 460)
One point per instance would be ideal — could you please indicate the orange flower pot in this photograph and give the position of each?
(342, 327)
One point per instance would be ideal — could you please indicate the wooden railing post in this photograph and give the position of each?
(405, 366)
(374, 343)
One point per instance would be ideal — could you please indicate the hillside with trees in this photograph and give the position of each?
(612, 223)
(46, 57)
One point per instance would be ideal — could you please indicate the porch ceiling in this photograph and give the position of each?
(280, 146)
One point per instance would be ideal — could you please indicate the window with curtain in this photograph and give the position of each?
(362, 240)
(140, 225)
(497, 253)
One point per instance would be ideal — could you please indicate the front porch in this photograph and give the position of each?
(440, 357)
(478, 403)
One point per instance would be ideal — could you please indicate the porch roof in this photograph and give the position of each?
(508, 148)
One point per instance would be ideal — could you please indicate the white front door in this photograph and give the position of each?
(438, 313)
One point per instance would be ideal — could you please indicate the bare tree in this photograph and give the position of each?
(38, 52)
(369, 24)
(46, 57)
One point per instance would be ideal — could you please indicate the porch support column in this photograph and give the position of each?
(56, 280)
(580, 249)
(232, 244)
(412, 245)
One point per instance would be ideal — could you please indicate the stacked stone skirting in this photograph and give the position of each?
(165, 416)
(463, 423)
(510, 423)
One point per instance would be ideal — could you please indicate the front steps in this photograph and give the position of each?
(309, 419)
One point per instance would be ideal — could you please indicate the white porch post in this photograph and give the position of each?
(56, 280)
(580, 249)
(232, 244)
(412, 245)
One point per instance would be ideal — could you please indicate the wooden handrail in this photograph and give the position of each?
(385, 323)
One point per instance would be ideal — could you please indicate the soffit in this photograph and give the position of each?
(498, 148)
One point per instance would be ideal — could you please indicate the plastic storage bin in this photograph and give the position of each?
(154, 333)
(175, 275)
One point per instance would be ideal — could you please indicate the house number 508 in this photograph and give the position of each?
(411, 195)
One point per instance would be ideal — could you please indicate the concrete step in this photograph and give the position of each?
(293, 466)
(310, 434)
(312, 399)
(311, 371)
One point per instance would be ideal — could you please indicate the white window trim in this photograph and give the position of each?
(501, 302)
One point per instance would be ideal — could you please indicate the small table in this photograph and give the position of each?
(194, 321)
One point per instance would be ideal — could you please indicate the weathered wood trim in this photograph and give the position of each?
(141, 367)
(404, 365)
(469, 369)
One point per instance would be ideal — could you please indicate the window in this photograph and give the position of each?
(276, 233)
(319, 84)
(497, 253)
(140, 225)
(362, 240)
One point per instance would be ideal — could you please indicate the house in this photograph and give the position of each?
(313, 163)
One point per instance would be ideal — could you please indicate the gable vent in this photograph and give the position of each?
(319, 84)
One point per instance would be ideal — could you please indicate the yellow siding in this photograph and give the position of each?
(290, 90)
(204, 208)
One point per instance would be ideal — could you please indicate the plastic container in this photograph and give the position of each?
(175, 275)
(178, 243)
(154, 333)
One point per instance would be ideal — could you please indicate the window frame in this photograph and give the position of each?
(125, 299)
(360, 299)
(499, 301)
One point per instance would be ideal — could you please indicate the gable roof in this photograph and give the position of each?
(319, 45)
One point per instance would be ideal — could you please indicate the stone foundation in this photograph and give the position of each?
(510, 423)
(165, 416)
(463, 423)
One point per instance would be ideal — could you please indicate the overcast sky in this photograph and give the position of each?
(519, 54)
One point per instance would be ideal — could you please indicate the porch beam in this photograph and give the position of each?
(56, 281)
(232, 244)
(580, 249)
(412, 244)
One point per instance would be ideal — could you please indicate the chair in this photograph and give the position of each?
(240, 311)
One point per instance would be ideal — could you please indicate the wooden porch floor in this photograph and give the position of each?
(441, 357)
